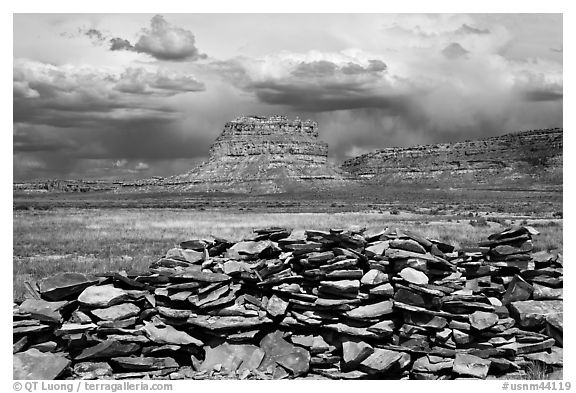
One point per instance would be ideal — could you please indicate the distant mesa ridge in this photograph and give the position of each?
(262, 154)
(255, 154)
(535, 155)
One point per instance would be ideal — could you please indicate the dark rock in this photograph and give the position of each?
(42, 310)
(107, 349)
(408, 245)
(201, 276)
(555, 327)
(143, 363)
(64, 285)
(226, 322)
(354, 352)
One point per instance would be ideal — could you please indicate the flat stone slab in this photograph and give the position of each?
(108, 349)
(249, 248)
(43, 310)
(102, 296)
(414, 276)
(372, 310)
(533, 313)
(481, 320)
(92, 370)
(276, 306)
(374, 277)
(33, 364)
(471, 366)
(432, 364)
(64, 285)
(201, 276)
(238, 357)
(227, 322)
(380, 361)
(142, 363)
(279, 351)
(117, 312)
(169, 335)
(354, 352)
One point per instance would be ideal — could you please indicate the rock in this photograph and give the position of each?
(33, 364)
(227, 322)
(102, 296)
(248, 248)
(169, 335)
(344, 288)
(481, 320)
(42, 310)
(354, 352)
(276, 306)
(232, 268)
(373, 278)
(144, 363)
(377, 248)
(372, 310)
(432, 364)
(533, 313)
(517, 290)
(385, 290)
(380, 361)
(278, 350)
(71, 328)
(195, 244)
(544, 293)
(555, 327)
(232, 358)
(185, 255)
(320, 257)
(117, 312)
(174, 313)
(200, 276)
(92, 370)
(64, 285)
(107, 349)
(471, 366)
(414, 276)
(553, 358)
(408, 245)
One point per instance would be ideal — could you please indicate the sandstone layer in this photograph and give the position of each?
(531, 156)
(258, 154)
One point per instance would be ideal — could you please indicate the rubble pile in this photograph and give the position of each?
(339, 304)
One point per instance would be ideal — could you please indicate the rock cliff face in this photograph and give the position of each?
(258, 154)
(521, 157)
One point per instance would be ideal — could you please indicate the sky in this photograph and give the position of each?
(125, 96)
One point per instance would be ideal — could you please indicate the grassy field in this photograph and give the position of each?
(111, 239)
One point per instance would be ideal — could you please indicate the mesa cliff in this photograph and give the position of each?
(259, 154)
(526, 157)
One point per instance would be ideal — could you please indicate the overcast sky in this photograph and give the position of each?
(133, 96)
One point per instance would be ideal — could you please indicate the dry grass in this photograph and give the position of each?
(98, 240)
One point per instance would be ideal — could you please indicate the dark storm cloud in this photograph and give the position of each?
(318, 86)
(118, 43)
(321, 98)
(140, 81)
(162, 41)
(466, 29)
(454, 51)
(66, 115)
(542, 95)
(95, 35)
